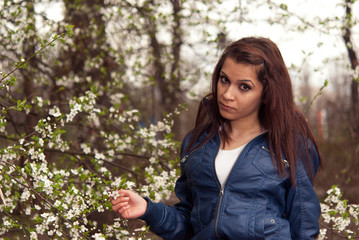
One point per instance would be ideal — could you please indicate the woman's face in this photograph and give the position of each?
(239, 92)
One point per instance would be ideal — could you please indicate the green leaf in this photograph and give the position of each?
(283, 6)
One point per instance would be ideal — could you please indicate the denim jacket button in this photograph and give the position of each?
(272, 220)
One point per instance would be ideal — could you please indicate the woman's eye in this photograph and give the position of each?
(223, 79)
(244, 87)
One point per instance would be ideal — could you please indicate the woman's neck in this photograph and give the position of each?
(241, 134)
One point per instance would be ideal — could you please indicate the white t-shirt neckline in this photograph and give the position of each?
(225, 161)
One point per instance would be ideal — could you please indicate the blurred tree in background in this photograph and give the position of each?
(88, 104)
(335, 114)
(92, 97)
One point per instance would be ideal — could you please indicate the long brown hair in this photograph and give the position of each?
(288, 132)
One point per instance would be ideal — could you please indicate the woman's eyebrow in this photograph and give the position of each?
(223, 73)
(239, 80)
(247, 80)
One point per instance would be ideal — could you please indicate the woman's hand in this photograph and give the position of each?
(129, 204)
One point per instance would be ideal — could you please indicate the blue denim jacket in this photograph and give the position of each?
(255, 203)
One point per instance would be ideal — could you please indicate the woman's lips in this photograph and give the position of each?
(225, 107)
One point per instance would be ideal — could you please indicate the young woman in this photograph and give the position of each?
(247, 168)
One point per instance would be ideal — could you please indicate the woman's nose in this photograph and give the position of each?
(228, 93)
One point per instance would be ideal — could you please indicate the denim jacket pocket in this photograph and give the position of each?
(270, 227)
(265, 226)
(257, 218)
(191, 160)
(265, 166)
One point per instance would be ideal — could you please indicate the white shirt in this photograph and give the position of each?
(225, 161)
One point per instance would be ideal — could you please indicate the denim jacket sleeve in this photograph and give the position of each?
(303, 207)
(172, 222)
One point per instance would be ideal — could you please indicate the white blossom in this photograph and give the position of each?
(25, 195)
(55, 111)
(100, 209)
(33, 236)
(98, 236)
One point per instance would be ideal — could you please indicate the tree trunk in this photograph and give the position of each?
(29, 72)
(169, 88)
(354, 163)
(354, 65)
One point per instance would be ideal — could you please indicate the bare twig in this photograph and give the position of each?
(2, 197)
(33, 55)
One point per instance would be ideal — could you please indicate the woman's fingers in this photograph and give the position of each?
(129, 204)
(119, 202)
(121, 195)
(120, 199)
(123, 209)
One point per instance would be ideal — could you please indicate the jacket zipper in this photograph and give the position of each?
(218, 210)
(221, 192)
(183, 160)
(286, 164)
